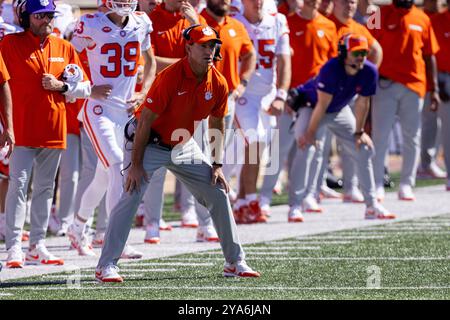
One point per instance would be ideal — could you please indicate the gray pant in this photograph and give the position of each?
(87, 173)
(187, 200)
(343, 125)
(197, 178)
(44, 163)
(154, 197)
(68, 174)
(395, 100)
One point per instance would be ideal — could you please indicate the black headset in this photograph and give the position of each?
(187, 37)
(342, 47)
(22, 14)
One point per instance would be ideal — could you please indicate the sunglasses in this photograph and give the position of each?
(48, 15)
(360, 53)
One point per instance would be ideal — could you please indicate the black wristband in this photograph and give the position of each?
(359, 133)
(215, 164)
(244, 82)
(65, 88)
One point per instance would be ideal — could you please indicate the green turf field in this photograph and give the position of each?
(403, 260)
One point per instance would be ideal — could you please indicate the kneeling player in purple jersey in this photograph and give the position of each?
(322, 103)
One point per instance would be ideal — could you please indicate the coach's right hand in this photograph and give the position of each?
(101, 91)
(134, 178)
(306, 139)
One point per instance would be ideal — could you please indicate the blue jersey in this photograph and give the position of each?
(333, 80)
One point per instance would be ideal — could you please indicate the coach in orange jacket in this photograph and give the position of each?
(35, 61)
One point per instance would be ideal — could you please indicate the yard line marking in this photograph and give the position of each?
(270, 248)
(230, 288)
(252, 257)
(298, 242)
(399, 228)
(147, 264)
(257, 253)
(6, 294)
(341, 237)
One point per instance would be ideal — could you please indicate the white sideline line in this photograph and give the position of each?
(231, 288)
(384, 233)
(251, 257)
(341, 237)
(299, 243)
(270, 248)
(253, 253)
(91, 276)
(399, 228)
(181, 264)
(6, 294)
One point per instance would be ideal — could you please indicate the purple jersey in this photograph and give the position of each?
(333, 80)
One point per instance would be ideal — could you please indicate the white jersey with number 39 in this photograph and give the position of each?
(113, 52)
(270, 38)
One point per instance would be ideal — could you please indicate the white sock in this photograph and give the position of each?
(251, 197)
(239, 203)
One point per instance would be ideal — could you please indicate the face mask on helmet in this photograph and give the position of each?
(121, 7)
(404, 4)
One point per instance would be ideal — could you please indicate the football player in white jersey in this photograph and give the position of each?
(114, 41)
(264, 98)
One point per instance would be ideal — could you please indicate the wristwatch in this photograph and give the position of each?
(244, 82)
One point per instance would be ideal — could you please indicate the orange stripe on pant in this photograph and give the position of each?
(94, 141)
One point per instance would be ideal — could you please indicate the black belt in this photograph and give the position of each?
(155, 138)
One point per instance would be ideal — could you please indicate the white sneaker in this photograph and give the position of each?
(207, 234)
(239, 269)
(405, 193)
(310, 204)
(110, 273)
(15, 257)
(152, 234)
(189, 218)
(278, 188)
(98, 240)
(265, 210)
(164, 226)
(62, 232)
(40, 255)
(2, 226)
(328, 193)
(264, 204)
(380, 193)
(378, 212)
(130, 253)
(354, 196)
(432, 172)
(80, 241)
(295, 214)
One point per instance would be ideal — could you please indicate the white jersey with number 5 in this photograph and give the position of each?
(270, 38)
(113, 53)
